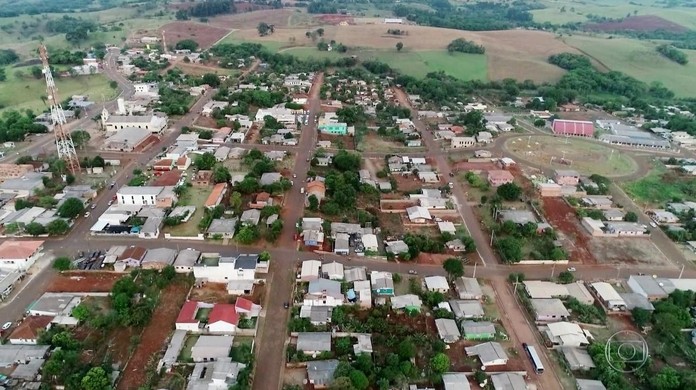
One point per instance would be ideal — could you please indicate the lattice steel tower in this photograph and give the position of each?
(64, 143)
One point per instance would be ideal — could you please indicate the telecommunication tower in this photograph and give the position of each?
(64, 143)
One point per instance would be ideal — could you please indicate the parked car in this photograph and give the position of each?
(111, 202)
(93, 206)
(412, 272)
(286, 305)
(653, 224)
(6, 325)
(87, 214)
(571, 269)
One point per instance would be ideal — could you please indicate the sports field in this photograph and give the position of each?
(18, 94)
(640, 60)
(583, 156)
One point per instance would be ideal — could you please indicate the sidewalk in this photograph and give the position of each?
(32, 273)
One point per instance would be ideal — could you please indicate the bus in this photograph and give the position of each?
(534, 357)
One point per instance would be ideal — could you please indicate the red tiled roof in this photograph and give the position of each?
(216, 195)
(29, 329)
(500, 175)
(244, 304)
(223, 312)
(187, 315)
(134, 252)
(263, 197)
(19, 249)
(569, 127)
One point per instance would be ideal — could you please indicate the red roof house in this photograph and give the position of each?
(573, 128)
(30, 329)
(187, 317)
(223, 318)
(247, 307)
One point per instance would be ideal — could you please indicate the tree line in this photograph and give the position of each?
(482, 16)
(673, 54)
(570, 61)
(463, 46)
(206, 8)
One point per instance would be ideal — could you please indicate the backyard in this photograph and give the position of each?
(193, 196)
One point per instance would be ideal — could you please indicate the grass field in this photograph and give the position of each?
(577, 11)
(585, 156)
(640, 60)
(660, 186)
(194, 196)
(18, 94)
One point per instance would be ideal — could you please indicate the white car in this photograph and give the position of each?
(6, 325)
(653, 224)
(87, 214)
(571, 269)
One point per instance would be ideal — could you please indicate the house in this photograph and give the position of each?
(310, 270)
(221, 153)
(651, 288)
(466, 309)
(320, 373)
(624, 229)
(316, 188)
(158, 258)
(614, 214)
(589, 384)
(223, 318)
(324, 292)
(313, 343)
(484, 137)
(19, 255)
(508, 381)
(187, 317)
(447, 329)
(330, 126)
(427, 176)
(218, 375)
(342, 244)
(24, 186)
(354, 274)
(634, 300)
(578, 359)
(213, 105)
(369, 242)
(396, 247)
(608, 296)
(225, 269)
(333, 271)
(593, 226)
(498, 177)
(478, 330)
(455, 381)
(567, 177)
(21, 354)
(29, 330)
(418, 214)
(574, 128)
(158, 196)
(269, 178)
(468, 288)
(490, 354)
(437, 284)
(382, 283)
(446, 227)
(261, 200)
(224, 228)
(250, 217)
(133, 256)
(216, 196)
(566, 334)
(211, 348)
(455, 245)
(185, 259)
(462, 142)
(147, 124)
(549, 310)
(663, 216)
(364, 344)
(408, 302)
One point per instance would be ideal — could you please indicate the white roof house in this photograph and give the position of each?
(566, 334)
(466, 309)
(447, 329)
(455, 381)
(446, 227)
(577, 358)
(589, 384)
(418, 214)
(468, 288)
(490, 353)
(609, 296)
(369, 242)
(310, 270)
(333, 271)
(508, 381)
(408, 300)
(549, 310)
(437, 283)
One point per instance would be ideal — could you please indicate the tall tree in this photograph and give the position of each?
(454, 267)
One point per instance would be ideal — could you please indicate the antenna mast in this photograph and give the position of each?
(64, 143)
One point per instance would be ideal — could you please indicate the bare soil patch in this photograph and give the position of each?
(83, 282)
(619, 250)
(638, 23)
(204, 34)
(154, 336)
(562, 217)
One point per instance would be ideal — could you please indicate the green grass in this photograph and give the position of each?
(25, 93)
(640, 60)
(185, 354)
(194, 196)
(660, 186)
(202, 314)
(270, 45)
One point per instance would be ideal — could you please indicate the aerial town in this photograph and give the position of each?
(214, 195)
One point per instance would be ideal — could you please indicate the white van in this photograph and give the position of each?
(301, 190)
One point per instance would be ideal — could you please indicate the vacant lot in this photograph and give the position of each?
(79, 281)
(250, 20)
(638, 23)
(640, 60)
(204, 34)
(661, 186)
(582, 156)
(564, 220)
(627, 251)
(194, 196)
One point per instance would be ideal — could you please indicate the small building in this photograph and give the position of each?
(396, 247)
(225, 228)
(625, 229)
(478, 330)
(364, 344)
(508, 381)
(21, 354)
(455, 381)
(19, 255)
(185, 260)
(310, 270)
(608, 296)
(549, 310)
(220, 374)
(158, 258)
(567, 177)
(342, 244)
(187, 317)
(250, 217)
(566, 334)
(466, 309)
(490, 354)
(354, 274)
(318, 315)
(418, 214)
(496, 178)
(408, 302)
(574, 128)
(320, 373)
(313, 343)
(324, 292)
(216, 195)
(589, 384)
(211, 348)
(382, 283)
(447, 329)
(468, 288)
(578, 359)
(634, 300)
(269, 178)
(462, 142)
(663, 216)
(333, 271)
(29, 330)
(437, 284)
(223, 318)
(519, 217)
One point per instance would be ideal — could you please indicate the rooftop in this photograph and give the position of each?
(19, 249)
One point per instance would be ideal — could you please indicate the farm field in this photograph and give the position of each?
(205, 35)
(640, 60)
(577, 11)
(585, 157)
(25, 93)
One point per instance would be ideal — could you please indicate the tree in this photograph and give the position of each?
(509, 191)
(264, 29)
(71, 208)
(247, 235)
(359, 380)
(313, 202)
(666, 379)
(113, 84)
(221, 174)
(205, 161)
(236, 201)
(98, 162)
(439, 363)
(35, 229)
(80, 138)
(565, 277)
(57, 227)
(81, 312)
(62, 263)
(641, 317)
(510, 249)
(631, 217)
(264, 256)
(399, 46)
(36, 72)
(95, 379)
(320, 32)
(454, 267)
(186, 44)
(407, 349)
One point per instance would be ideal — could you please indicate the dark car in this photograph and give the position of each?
(286, 305)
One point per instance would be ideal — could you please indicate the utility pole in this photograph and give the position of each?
(492, 234)
(553, 269)
(682, 271)
(64, 143)
(475, 264)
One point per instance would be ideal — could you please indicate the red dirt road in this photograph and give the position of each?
(90, 281)
(154, 336)
(562, 217)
